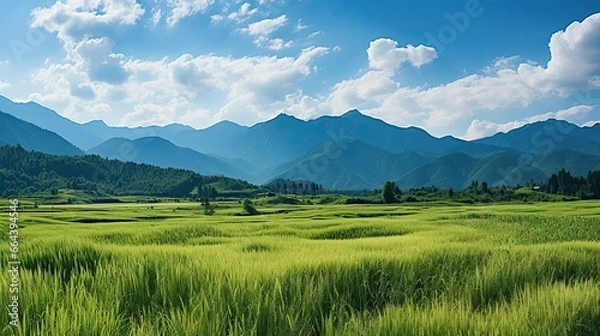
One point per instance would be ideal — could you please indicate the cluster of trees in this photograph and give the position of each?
(28, 172)
(563, 183)
(249, 208)
(205, 192)
(294, 187)
(390, 193)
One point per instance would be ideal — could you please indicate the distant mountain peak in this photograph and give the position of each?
(15, 131)
(282, 119)
(283, 116)
(96, 122)
(353, 113)
(227, 123)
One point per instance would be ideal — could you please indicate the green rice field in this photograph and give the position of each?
(426, 269)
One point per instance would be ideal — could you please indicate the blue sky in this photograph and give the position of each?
(468, 68)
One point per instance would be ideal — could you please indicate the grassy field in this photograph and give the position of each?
(167, 269)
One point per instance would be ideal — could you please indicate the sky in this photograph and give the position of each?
(467, 68)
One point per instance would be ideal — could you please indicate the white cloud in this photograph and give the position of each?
(262, 78)
(243, 13)
(300, 26)
(365, 92)
(306, 107)
(502, 63)
(100, 62)
(483, 128)
(261, 30)
(216, 18)
(83, 91)
(95, 79)
(265, 27)
(73, 20)
(146, 114)
(505, 84)
(156, 16)
(314, 34)
(180, 9)
(279, 44)
(574, 56)
(384, 54)
(163, 91)
(4, 85)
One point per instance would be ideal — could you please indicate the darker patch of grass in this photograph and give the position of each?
(119, 238)
(368, 286)
(166, 236)
(376, 214)
(586, 323)
(502, 282)
(257, 247)
(180, 235)
(64, 260)
(102, 220)
(153, 217)
(476, 215)
(356, 232)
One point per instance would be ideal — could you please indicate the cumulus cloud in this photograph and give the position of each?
(73, 20)
(483, 128)
(180, 9)
(83, 91)
(261, 30)
(156, 16)
(365, 92)
(279, 44)
(384, 54)
(574, 55)
(4, 85)
(216, 18)
(260, 79)
(265, 27)
(502, 63)
(507, 83)
(300, 26)
(243, 13)
(101, 63)
(186, 88)
(94, 78)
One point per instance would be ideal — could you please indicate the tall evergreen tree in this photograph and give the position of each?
(388, 192)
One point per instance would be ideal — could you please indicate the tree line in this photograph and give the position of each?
(563, 183)
(28, 172)
(287, 186)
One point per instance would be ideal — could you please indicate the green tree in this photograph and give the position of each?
(552, 186)
(388, 192)
(209, 209)
(249, 207)
(474, 187)
(484, 187)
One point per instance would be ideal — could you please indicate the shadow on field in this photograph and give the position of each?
(172, 236)
(357, 232)
(64, 260)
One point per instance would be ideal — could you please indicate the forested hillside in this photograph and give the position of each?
(27, 172)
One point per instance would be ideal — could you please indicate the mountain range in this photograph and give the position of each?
(348, 152)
